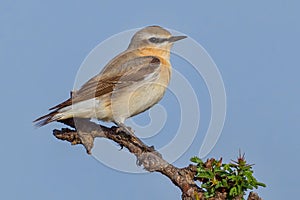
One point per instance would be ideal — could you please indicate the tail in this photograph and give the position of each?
(54, 115)
(51, 117)
(46, 119)
(66, 110)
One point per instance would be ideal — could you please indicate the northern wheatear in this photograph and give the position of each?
(130, 83)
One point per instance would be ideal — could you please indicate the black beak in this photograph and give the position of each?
(176, 38)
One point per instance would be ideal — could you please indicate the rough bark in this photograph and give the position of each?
(86, 131)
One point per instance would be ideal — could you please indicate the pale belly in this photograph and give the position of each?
(125, 105)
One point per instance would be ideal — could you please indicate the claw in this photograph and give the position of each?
(123, 128)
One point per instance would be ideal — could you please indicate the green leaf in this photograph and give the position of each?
(197, 160)
(224, 183)
(261, 184)
(205, 175)
(233, 192)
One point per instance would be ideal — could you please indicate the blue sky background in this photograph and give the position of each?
(42, 44)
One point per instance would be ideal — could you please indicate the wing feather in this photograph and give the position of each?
(128, 73)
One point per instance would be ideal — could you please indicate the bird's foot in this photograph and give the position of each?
(127, 130)
(130, 132)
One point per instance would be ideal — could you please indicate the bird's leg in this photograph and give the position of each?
(126, 129)
(129, 131)
(135, 139)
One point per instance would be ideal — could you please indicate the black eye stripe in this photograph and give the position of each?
(157, 40)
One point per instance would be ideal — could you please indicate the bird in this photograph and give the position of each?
(129, 84)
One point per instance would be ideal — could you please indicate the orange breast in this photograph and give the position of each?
(164, 57)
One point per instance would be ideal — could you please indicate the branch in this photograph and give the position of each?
(86, 131)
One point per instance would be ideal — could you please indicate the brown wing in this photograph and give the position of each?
(123, 75)
(129, 72)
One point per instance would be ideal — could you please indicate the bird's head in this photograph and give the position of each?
(153, 37)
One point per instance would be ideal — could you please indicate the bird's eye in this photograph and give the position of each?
(154, 40)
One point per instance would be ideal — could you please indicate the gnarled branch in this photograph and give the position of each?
(84, 132)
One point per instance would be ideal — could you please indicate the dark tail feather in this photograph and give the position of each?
(41, 121)
(68, 102)
(46, 119)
